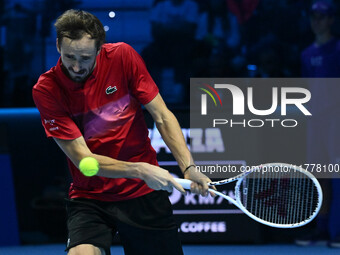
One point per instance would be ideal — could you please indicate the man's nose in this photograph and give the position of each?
(76, 67)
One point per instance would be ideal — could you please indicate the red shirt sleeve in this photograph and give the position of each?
(56, 122)
(141, 84)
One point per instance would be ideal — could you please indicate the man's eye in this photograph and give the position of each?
(86, 58)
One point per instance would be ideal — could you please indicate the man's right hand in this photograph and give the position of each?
(158, 178)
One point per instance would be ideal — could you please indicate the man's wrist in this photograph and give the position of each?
(136, 170)
(188, 168)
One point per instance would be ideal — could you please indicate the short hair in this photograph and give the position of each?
(74, 24)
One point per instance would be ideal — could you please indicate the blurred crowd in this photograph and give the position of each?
(190, 38)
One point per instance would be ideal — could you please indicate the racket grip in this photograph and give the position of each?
(185, 183)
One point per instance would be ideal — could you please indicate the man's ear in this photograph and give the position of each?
(58, 46)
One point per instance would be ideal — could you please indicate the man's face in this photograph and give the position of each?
(78, 57)
(320, 23)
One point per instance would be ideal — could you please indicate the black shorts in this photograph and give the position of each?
(145, 224)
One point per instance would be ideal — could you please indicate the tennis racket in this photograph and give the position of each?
(275, 194)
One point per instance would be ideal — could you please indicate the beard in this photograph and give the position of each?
(80, 76)
(77, 76)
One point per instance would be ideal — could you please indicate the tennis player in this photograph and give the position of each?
(90, 103)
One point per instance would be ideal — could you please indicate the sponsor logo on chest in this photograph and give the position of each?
(109, 90)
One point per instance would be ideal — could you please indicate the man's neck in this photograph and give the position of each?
(322, 39)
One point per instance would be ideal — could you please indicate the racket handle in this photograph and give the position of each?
(185, 183)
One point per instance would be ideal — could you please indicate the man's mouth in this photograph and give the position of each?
(81, 72)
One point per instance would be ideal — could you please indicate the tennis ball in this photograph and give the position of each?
(89, 166)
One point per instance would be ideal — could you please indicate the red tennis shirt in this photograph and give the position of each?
(106, 110)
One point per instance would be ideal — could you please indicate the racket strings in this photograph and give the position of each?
(281, 198)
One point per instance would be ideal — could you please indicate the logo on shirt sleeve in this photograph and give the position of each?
(110, 90)
(51, 123)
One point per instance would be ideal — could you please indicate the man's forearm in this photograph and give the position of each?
(155, 177)
(77, 149)
(173, 137)
(112, 168)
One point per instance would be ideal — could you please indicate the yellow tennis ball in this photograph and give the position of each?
(89, 166)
